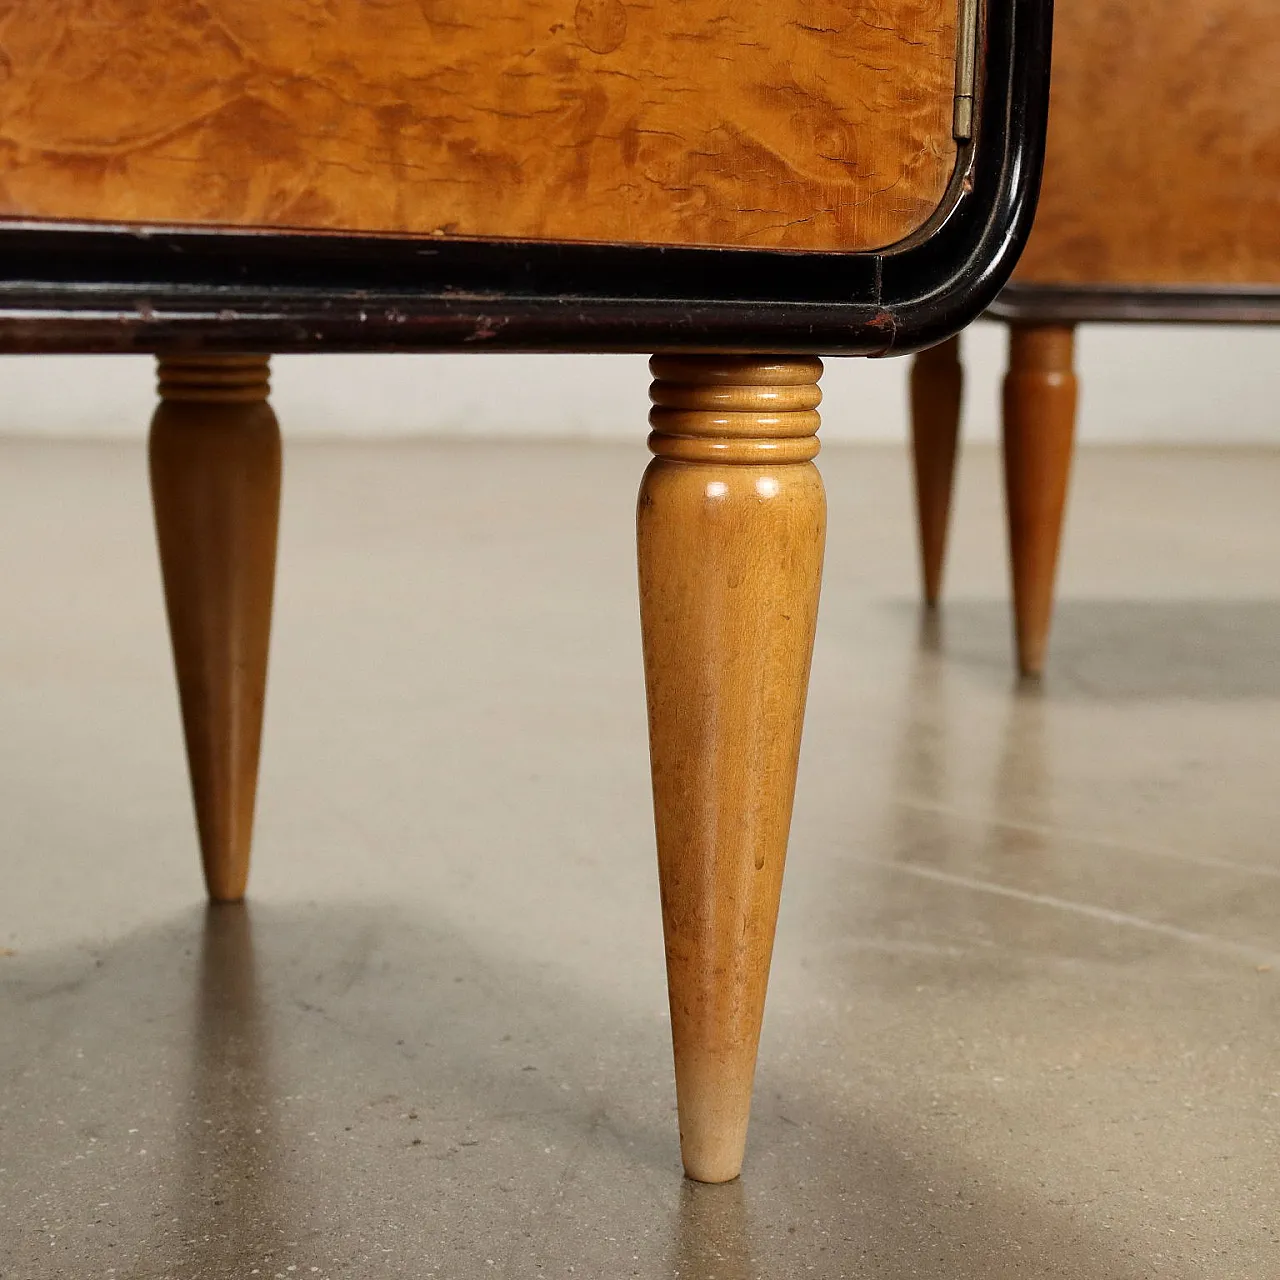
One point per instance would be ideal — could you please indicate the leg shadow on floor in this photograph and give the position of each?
(1130, 648)
(330, 1087)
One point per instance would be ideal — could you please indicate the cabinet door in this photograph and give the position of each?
(803, 124)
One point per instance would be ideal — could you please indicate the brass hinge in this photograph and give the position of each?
(966, 70)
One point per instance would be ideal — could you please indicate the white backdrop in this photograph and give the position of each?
(1140, 384)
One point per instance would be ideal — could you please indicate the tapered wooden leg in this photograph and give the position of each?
(937, 381)
(731, 526)
(215, 486)
(1039, 427)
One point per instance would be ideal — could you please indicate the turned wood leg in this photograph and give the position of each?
(937, 380)
(731, 524)
(1039, 425)
(215, 487)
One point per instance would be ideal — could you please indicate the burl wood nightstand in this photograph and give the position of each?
(1161, 203)
(739, 188)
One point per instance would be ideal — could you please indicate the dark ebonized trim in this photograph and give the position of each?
(1137, 304)
(79, 288)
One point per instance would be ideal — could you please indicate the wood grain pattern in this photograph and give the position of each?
(1039, 430)
(731, 525)
(798, 123)
(1163, 162)
(215, 487)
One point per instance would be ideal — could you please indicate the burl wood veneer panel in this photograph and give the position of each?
(1163, 161)
(801, 123)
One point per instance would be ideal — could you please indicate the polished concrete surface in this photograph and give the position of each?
(1025, 1010)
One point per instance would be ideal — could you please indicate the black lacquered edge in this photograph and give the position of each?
(1137, 304)
(79, 288)
(935, 288)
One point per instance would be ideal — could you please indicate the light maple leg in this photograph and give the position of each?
(215, 487)
(731, 525)
(937, 381)
(1039, 429)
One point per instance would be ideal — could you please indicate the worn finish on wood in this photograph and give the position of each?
(215, 484)
(937, 383)
(1163, 162)
(1039, 427)
(731, 525)
(759, 123)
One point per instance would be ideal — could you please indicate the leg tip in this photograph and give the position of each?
(713, 1136)
(1030, 666)
(226, 868)
(226, 889)
(931, 584)
(1030, 653)
(712, 1166)
(226, 899)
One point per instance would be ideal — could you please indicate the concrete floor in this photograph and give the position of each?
(1025, 1011)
